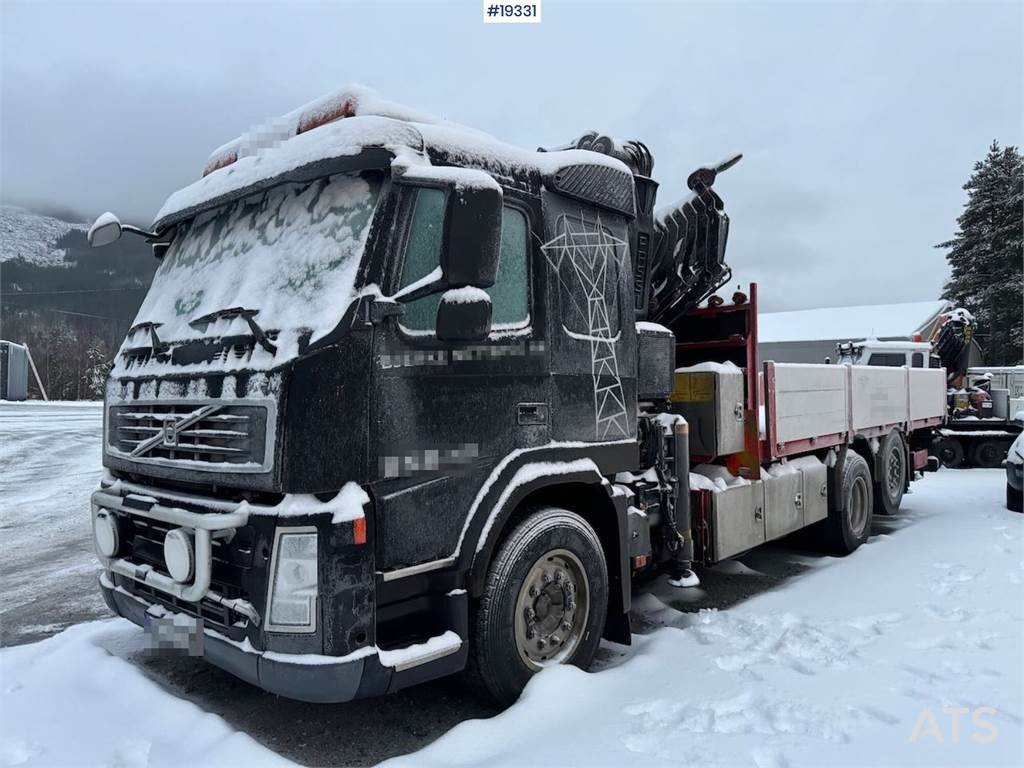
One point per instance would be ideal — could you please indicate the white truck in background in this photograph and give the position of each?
(985, 405)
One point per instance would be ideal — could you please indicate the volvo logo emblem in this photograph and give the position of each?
(170, 432)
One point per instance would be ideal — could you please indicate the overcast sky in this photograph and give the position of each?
(859, 122)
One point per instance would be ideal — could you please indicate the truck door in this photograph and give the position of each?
(448, 412)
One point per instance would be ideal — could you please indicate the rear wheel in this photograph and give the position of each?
(950, 452)
(848, 524)
(891, 476)
(544, 603)
(988, 453)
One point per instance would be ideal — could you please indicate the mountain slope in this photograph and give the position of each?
(32, 238)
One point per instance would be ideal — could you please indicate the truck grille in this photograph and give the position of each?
(176, 433)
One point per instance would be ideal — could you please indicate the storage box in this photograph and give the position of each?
(711, 400)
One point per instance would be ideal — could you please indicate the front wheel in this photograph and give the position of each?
(544, 603)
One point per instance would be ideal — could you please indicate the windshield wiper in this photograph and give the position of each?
(158, 347)
(246, 314)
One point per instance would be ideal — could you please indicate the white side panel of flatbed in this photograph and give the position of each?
(927, 393)
(810, 406)
(879, 396)
(810, 400)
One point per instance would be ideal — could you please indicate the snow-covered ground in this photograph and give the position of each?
(49, 465)
(865, 660)
(909, 652)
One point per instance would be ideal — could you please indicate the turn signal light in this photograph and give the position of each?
(359, 531)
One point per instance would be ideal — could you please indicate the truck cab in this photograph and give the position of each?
(912, 354)
(369, 345)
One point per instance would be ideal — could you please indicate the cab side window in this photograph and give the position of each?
(510, 294)
(917, 360)
(887, 359)
(423, 256)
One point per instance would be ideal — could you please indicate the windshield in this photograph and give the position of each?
(290, 252)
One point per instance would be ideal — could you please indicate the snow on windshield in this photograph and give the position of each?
(291, 252)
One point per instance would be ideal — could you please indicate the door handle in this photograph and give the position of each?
(531, 413)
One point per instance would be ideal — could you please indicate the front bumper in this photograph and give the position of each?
(228, 589)
(303, 677)
(336, 662)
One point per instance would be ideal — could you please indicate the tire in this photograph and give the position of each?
(988, 454)
(850, 512)
(552, 566)
(949, 452)
(1014, 499)
(891, 475)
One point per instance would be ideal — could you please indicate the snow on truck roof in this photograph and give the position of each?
(344, 124)
(878, 321)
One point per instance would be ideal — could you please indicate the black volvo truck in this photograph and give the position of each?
(402, 401)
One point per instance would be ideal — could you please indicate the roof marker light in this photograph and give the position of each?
(216, 163)
(319, 117)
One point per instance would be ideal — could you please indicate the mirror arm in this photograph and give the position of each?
(432, 283)
(151, 236)
(379, 310)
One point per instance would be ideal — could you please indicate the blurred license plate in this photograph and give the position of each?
(177, 635)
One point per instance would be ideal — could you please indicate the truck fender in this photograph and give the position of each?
(541, 481)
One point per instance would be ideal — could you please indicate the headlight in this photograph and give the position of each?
(293, 581)
(179, 555)
(106, 532)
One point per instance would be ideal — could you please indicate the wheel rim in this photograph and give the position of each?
(552, 609)
(858, 508)
(894, 472)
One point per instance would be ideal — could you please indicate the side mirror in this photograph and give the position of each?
(473, 243)
(472, 238)
(105, 230)
(464, 314)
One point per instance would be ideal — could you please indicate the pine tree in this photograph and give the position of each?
(97, 366)
(987, 254)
